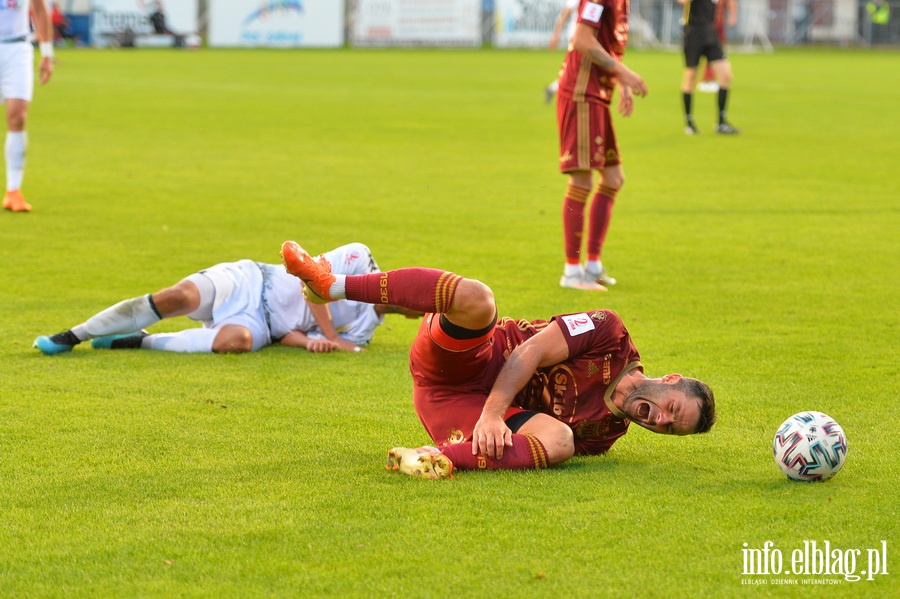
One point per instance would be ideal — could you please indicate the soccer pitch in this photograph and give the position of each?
(765, 264)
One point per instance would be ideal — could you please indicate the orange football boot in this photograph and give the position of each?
(314, 272)
(13, 200)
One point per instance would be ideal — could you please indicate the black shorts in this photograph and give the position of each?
(700, 41)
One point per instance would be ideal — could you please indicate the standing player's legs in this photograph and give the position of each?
(693, 50)
(722, 68)
(611, 182)
(580, 129)
(550, 91)
(688, 81)
(16, 85)
(573, 209)
(612, 178)
(710, 83)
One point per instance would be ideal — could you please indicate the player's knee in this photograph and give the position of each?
(175, 300)
(475, 300)
(615, 181)
(556, 437)
(233, 340)
(15, 120)
(582, 179)
(560, 444)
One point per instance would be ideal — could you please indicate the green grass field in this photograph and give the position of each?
(766, 264)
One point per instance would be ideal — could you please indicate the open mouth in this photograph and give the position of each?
(643, 411)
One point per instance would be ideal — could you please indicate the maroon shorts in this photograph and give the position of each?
(452, 379)
(587, 140)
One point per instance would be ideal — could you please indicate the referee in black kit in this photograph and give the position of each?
(702, 39)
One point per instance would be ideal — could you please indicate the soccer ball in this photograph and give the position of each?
(810, 446)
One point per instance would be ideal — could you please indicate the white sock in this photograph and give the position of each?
(594, 266)
(554, 87)
(16, 143)
(338, 289)
(572, 270)
(129, 316)
(191, 341)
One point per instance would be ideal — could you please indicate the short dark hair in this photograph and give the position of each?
(701, 391)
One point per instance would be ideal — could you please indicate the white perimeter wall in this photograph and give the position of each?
(109, 17)
(416, 23)
(276, 23)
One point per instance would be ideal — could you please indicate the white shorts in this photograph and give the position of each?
(17, 71)
(238, 298)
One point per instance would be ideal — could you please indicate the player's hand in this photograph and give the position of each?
(320, 346)
(632, 80)
(344, 345)
(490, 436)
(46, 69)
(626, 101)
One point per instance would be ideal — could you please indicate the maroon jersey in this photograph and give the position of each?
(582, 80)
(579, 390)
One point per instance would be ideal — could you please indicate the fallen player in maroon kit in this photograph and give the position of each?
(511, 394)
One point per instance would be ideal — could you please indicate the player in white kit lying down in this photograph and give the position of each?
(244, 306)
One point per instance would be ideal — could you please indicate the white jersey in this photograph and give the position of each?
(288, 311)
(14, 19)
(269, 301)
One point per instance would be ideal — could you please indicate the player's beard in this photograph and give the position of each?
(637, 404)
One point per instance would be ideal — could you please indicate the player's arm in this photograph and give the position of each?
(586, 43)
(546, 348)
(322, 314)
(300, 339)
(44, 28)
(558, 27)
(731, 8)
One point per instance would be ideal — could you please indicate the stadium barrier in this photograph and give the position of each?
(762, 24)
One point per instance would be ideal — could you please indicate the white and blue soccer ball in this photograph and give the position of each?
(810, 446)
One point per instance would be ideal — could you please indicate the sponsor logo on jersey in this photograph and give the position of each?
(599, 315)
(591, 12)
(578, 323)
(562, 385)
